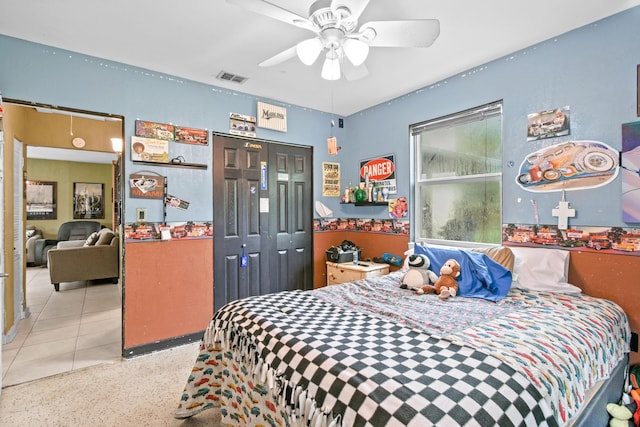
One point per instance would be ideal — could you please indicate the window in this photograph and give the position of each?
(458, 176)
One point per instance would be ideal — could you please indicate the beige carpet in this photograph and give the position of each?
(142, 391)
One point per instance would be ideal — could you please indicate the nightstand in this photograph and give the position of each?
(348, 272)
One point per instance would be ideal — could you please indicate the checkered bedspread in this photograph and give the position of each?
(294, 359)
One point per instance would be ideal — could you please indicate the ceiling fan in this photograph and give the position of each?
(335, 24)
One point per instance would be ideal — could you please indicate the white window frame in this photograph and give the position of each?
(479, 113)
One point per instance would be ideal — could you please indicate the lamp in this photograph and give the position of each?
(331, 66)
(356, 51)
(116, 144)
(309, 50)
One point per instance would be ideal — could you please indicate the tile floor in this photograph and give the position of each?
(77, 327)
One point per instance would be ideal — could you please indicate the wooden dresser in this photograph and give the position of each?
(348, 271)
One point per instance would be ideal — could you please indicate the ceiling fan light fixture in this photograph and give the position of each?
(331, 66)
(356, 51)
(309, 50)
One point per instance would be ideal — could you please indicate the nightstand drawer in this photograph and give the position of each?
(348, 272)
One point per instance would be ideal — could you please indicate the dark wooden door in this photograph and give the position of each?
(291, 221)
(240, 194)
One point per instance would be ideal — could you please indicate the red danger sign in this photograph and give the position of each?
(378, 169)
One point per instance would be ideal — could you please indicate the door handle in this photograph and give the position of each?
(4, 274)
(243, 258)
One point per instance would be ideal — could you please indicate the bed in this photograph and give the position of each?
(523, 347)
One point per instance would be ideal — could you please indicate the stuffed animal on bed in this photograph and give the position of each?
(447, 284)
(418, 274)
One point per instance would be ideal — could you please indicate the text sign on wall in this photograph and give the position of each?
(382, 170)
(272, 117)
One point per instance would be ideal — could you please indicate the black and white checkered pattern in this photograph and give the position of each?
(376, 373)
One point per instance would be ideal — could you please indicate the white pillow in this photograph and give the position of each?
(541, 269)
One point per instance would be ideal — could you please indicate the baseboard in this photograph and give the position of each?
(10, 335)
(162, 345)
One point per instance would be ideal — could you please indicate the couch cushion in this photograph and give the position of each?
(92, 239)
(104, 237)
(77, 230)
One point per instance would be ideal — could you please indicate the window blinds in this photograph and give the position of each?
(474, 114)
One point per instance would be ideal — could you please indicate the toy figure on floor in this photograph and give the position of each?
(626, 414)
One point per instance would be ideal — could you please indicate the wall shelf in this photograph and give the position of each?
(372, 203)
(172, 165)
(367, 203)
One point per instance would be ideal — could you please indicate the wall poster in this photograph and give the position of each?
(330, 179)
(241, 124)
(548, 124)
(155, 130)
(381, 170)
(146, 186)
(272, 117)
(88, 200)
(631, 172)
(149, 150)
(192, 136)
(570, 165)
(41, 200)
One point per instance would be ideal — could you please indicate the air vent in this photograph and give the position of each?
(231, 77)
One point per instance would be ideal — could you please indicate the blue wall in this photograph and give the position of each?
(591, 69)
(37, 73)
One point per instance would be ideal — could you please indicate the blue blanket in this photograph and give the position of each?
(480, 276)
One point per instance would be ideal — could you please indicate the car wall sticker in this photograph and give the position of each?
(570, 165)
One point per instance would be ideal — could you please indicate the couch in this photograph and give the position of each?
(97, 257)
(32, 235)
(72, 230)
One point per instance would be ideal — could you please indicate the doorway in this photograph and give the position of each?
(80, 322)
(263, 225)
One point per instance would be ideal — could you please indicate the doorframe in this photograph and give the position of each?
(24, 312)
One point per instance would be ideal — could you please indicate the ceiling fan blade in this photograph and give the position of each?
(271, 10)
(355, 6)
(408, 33)
(352, 72)
(279, 58)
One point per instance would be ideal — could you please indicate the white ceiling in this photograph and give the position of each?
(197, 39)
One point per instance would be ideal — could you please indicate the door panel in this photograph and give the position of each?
(238, 219)
(292, 222)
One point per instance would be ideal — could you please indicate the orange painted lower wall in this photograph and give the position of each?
(614, 277)
(168, 290)
(169, 285)
(372, 244)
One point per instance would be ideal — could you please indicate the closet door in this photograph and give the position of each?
(241, 226)
(291, 222)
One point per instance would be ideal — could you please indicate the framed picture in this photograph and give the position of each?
(41, 200)
(192, 136)
(149, 150)
(146, 185)
(638, 90)
(88, 200)
(548, 124)
(155, 130)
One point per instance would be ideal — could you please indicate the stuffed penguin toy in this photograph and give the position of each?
(418, 274)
